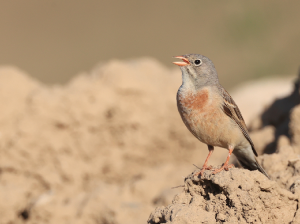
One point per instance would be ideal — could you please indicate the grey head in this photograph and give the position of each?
(197, 70)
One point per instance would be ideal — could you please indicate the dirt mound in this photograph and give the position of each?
(236, 196)
(105, 148)
(241, 196)
(90, 151)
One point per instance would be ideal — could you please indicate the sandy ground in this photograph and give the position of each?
(109, 146)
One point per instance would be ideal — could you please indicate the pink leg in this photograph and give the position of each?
(225, 166)
(204, 167)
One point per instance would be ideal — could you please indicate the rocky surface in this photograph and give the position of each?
(236, 196)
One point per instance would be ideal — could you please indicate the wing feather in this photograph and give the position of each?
(231, 109)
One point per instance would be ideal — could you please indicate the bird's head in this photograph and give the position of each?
(198, 68)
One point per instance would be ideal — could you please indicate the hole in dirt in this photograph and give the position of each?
(229, 202)
(25, 215)
(209, 188)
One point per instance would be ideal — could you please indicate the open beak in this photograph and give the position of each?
(184, 61)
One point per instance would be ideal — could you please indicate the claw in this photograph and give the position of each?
(201, 172)
(224, 167)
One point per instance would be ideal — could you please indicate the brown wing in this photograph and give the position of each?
(232, 110)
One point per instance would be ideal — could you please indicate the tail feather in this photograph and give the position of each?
(253, 166)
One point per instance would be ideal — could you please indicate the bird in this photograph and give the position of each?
(211, 115)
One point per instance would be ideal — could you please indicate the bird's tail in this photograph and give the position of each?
(253, 166)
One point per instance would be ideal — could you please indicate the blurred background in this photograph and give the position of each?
(108, 146)
(55, 40)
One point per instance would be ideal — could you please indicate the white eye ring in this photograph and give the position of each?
(198, 62)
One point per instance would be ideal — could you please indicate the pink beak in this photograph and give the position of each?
(183, 63)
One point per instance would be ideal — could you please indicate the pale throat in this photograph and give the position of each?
(193, 82)
(187, 81)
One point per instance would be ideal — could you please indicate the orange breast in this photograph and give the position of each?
(199, 116)
(194, 102)
(191, 106)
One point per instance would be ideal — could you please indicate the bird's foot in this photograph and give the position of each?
(201, 172)
(224, 167)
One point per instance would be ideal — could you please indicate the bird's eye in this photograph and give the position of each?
(198, 62)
